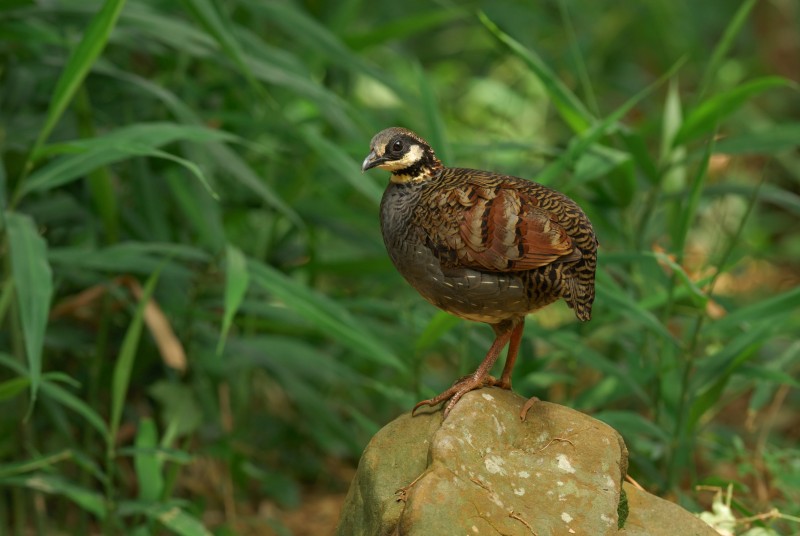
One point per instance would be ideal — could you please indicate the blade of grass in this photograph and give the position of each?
(326, 315)
(771, 140)
(236, 281)
(177, 520)
(124, 365)
(598, 130)
(689, 208)
(341, 163)
(33, 283)
(724, 45)
(704, 118)
(572, 110)
(220, 27)
(577, 57)
(136, 140)
(55, 485)
(146, 461)
(77, 67)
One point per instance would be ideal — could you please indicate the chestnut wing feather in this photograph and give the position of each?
(498, 228)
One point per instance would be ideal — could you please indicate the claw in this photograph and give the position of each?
(454, 394)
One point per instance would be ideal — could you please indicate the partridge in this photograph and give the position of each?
(482, 246)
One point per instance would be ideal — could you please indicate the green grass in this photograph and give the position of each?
(202, 159)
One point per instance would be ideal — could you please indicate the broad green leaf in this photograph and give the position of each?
(130, 257)
(177, 520)
(13, 387)
(143, 139)
(630, 423)
(51, 484)
(671, 157)
(765, 311)
(69, 400)
(236, 282)
(596, 162)
(327, 316)
(78, 65)
(572, 110)
(181, 412)
(33, 283)
(440, 324)
(703, 120)
(146, 461)
(127, 354)
(771, 140)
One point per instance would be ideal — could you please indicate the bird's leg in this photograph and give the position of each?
(511, 357)
(476, 380)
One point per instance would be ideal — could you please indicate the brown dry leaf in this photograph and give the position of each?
(169, 346)
(714, 310)
(83, 306)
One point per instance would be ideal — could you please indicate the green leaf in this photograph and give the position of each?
(342, 164)
(766, 311)
(177, 520)
(90, 501)
(440, 324)
(78, 66)
(724, 45)
(33, 283)
(771, 140)
(141, 139)
(608, 292)
(630, 423)
(584, 141)
(13, 387)
(398, 29)
(146, 461)
(703, 119)
(324, 314)
(236, 281)
(218, 25)
(69, 400)
(572, 110)
(127, 354)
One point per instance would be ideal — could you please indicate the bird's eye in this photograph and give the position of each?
(397, 146)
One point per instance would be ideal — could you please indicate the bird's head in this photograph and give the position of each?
(402, 152)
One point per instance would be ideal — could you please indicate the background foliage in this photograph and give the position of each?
(200, 326)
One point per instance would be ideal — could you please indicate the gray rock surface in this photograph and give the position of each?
(482, 471)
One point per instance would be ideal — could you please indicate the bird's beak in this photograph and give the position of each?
(371, 161)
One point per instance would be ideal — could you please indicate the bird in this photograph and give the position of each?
(482, 246)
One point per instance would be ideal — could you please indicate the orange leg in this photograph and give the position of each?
(480, 378)
(511, 357)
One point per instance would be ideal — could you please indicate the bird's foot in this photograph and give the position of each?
(523, 413)
(454, 394)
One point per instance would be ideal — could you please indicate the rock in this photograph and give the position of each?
(483, 471)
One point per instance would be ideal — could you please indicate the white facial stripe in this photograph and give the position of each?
(413, 156)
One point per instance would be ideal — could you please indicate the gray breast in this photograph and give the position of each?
(471, 294)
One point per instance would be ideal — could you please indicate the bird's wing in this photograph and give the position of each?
(498, 227)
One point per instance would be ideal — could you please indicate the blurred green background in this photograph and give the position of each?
(200, 329)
